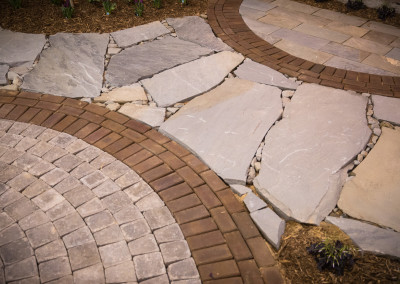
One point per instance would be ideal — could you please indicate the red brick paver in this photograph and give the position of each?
(228, 25)
(224, 242)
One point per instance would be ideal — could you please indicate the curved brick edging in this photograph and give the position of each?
(223, 239)
(227, 23)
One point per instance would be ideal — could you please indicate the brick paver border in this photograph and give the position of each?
(227, 23)
(225, 243)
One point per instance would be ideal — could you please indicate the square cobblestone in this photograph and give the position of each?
(8, 172)
(68, 162)
(89, 154)
(106, 188)
(69, 223)
(124, 272)
(54, 176)
(91, 207)
(169, 233)
(9, 197)
(174, 251)
(143, 245)
(99, 221)
(5, 124)
(79, 237)
(55, 268)
(79, 195)
(40, 149)
(76, 146)
(10, 156)
(159, 217)
(5, 220)
(162, 279)
(116, 201)
(115, 170)
(35, 189)
(67, 184)
(21, 208)
(92, 274)
(82, 170)
(26, 161)
(54, 154)
(33, 131)
(50, 251)
(94, 179)
(33, 220)
(148, 265)
(16, 251)
(138, 191)
(42, 235)
(47, 135)
(128, 179)
(62, 140)
(17, 127)
(21, 181)
(185, 269)
(26, 143)
(41, 168)
(149, 202)
(62, 209)
(83, 256)
(102, 161)
(109, 235)
(127, 214)
(114, 254)
(48, 199)
(136, 229)
(10, 234)
(20, 270)
(10, 140)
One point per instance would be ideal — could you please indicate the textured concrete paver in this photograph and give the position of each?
(228, 144)
(302, 170)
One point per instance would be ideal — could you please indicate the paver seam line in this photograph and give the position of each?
(221, 14)
(195, 176)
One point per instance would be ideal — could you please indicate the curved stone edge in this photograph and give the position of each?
(222, 238)
(227, 23)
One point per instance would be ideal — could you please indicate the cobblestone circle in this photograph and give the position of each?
(73, 213)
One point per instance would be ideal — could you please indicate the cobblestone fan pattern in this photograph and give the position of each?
(70, 210)
(98, 230)
(227, 23)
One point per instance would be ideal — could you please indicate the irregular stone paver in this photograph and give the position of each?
(72, 67)
(227, 143)
(17, 48)
(368, 237)
(69, 231)
(373, 193)
(259, 73)
(203, 36)
(133, 93)
(153, 116)
(145, 60)
(128, 37)
(191, 79)
(271, 225)
(304, 156)
(386, 109)
(253, 202)
(3, 74)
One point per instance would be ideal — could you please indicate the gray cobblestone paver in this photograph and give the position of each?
(82, 216)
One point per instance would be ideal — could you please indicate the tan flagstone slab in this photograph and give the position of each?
(373, 194)
(299, 16)
(382, 62)
(380, 37)
(367, 45)
(322, 33)
(303, 52)
(300, 38)
(251, 13)
(298, 7)
(346, 29)
(124, 94)
(339, 17)
(280, 21)
(259, 27)
(394, 53)
(342, 63)
(396, 43)
(345, 51)
(379, 27)
(258, 5)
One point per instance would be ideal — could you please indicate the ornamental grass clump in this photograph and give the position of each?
(157, 4)
(109, 6)
(139, 7)
(67, 10)
(332, 255)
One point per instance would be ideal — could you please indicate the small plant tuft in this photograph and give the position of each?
(109, 6)
(67, 9)
(332, 255)
(157, 4)
(184, 2)
(139, 8)
(385, 12)
(56, 2)
(355, 4)
(16, 4)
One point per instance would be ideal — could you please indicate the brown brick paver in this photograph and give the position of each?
(227, 23)
(223, 240)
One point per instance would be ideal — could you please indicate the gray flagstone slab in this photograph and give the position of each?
(257, 72)
(373, 194)
(128, 37)
(305, 155)
(17, 48)
(145, 60)
(369, 237)
(203, 35)
(191, 79)
(72, 66)
(3, 74)
(387, 109)
(225, 126)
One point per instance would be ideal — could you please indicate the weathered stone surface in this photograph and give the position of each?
(185, 269)
(253, 202)
(91, 274)
(227, 143)
(143, 245)
(128, 37)
(147, 59)
(23, 269)
(72, 67)
(368, 237)
(373, 193)
(174, 251)
(168, 234)
(54, 269)
(124, 94)
(149, 265)
(153, 116)
(159, 217)
(16, 251)
(271, 226)
(3, 74)
(17, 48)
(239, 189)
(203, 36)
(191, 79)
(114, 254)
(305, 154)
(50, 251)
(259, 73)
(387, 109)
(124, 272)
